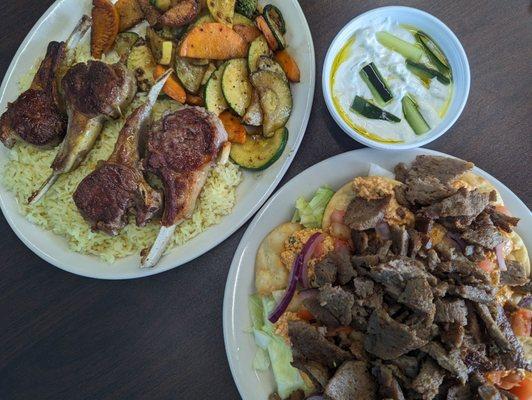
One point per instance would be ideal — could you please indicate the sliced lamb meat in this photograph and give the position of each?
(365, 261)
(363, 287)
(319, 374)
(498, 327)
(310, 345)
(362, 214)
(449, 311)
(479, 294)
(428, 382)
(389, 339)
(351, 381)
(464, 203)
(476, 358)
(515, 275)
(360, 316)
(388, 386)
(440, 289)
(383, 250)
(338, 302)
(416, 242)
(325, 272)
(357, 345)
(487, 236)
(401, 172)
(430, 178)
(344, 266)
(459, 392)
(432, 259)
(399, 240)
(501, 220)
(450, 361)
(417, 296)
(462, 271)
(423, 224)
(400, 195)
(408, 365)
(322, 314)
(360, 241)
(452, 335)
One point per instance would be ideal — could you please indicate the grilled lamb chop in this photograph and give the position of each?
(38, 116)
(105, 196)
(94, 92)
(181, 149)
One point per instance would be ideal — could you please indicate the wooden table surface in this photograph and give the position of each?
(67, 337)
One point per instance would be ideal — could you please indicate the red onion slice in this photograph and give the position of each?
(295, 275)
(500, 257)
(307, 252)
(526, 302)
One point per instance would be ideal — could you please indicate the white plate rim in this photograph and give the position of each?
(114, 274)
(230, 331)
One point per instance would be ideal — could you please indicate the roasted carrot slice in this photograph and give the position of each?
(235, 130)
(194, 100)
(105, 25)
(172, 88)
(267, 32)
(129, 13)
(214, 41)
(247, 32)
(289, 65)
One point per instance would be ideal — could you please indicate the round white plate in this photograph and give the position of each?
(56, 24)
(333, 172)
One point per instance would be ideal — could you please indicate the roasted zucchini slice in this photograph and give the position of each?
(189, 75)
(236, 87)
(259, 47)
(266, 63)
(141, 62)
(222, 10)
(239, 19)
(273, 17)
(258, 152)
(162, 49)
(124, 42)
(214, 97)
(253, 115)
(275, 100)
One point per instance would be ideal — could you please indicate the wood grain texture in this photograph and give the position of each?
(66, 337)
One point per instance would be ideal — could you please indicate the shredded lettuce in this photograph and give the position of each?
(310, 214)
(272, 348)
(261, 362)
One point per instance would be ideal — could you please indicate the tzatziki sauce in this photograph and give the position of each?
(432, 97)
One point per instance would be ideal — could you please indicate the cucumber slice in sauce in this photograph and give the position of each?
(376, 83)
(371, 111)
(236, 87)
(413, 116)
(407, 50)
(259, 152)
(434, 53)
(426, 73)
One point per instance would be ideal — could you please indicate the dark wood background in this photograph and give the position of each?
(67, 337)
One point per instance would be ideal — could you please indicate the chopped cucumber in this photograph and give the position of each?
(275, 100)
(413, 116)
(257, 48)
(371, 111)
(236, 87)
(425, 73)
(376, 83)
(258, 152)
(214, 97)
(434, 53)
(407, 50)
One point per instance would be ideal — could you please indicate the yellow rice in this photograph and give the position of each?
(28, 167)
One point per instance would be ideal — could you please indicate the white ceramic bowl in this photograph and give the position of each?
(441, 34)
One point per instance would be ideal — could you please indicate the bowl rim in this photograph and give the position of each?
(440, 129)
